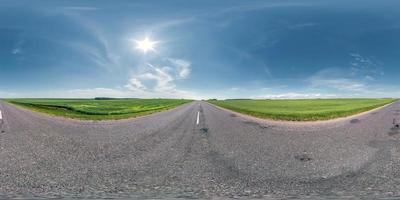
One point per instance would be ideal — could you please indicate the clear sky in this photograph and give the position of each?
(200, 49)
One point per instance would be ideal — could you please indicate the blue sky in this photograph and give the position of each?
(204, 49)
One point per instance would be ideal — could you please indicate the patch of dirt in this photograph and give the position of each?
(256, 124)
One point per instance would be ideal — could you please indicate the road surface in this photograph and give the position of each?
(198, 151)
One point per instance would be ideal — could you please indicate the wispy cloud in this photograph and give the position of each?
(364, 66)
(81, 8)
(18, 47)
(294, 95)
(8, 94)
(156, 80)
(336, 78)
(233, 89)
(251, 59)
(182, 67)
(98, 50)
(303, 25)
(16, 51)
(135, 84)
(357, 77)
(369, 78)
(339, 84)
(262, 6)
(97, 55)
(171, 23)
(161, 75)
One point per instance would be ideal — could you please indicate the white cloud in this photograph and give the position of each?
(169, 24)
(294, 95)
(164, 80)
(183, 67)
(337, 78)
(90, 93)
(18, 47)
(154, 80)
(361, 58)
(365, 66)
(369, 78)
(123, 93)
(262, 6)
(81, 8)
(126, 93)
(303, 25)
(99, 52)
(149, 81)
(357, 77)
(8, 94)
(102, 92)
(234, 89)
(340, 84)
(135, 84)
(95, 54)
(16, 51)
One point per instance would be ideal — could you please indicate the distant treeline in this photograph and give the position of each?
(110, 98)
(238, 99)
(103, 98)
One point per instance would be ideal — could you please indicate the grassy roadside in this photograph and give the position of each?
(90, 109)
(302, 109)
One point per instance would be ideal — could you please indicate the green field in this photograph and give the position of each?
(301, 110)
(90, 109)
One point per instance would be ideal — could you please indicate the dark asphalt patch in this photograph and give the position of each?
(303, 157)
(233, 115)
(204, 130)
(353, 121)
(394, 130)
(351, 175)
(223, 162)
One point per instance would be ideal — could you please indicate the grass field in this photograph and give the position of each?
(302, 110)
(90, 109)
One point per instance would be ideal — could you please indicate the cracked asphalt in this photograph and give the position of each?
(225, 155)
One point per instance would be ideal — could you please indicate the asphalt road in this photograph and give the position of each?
(198, 151)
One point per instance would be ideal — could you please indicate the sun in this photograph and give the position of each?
(146, 44)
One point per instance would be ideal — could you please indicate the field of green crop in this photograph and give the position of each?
(90, 109)
(301, 110)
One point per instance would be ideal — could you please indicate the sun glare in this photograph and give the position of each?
(145, 45)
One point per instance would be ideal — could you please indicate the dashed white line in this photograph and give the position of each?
(1, 116)
(198, 117)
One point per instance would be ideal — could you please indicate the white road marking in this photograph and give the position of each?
(1, 116)
(198, 117)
